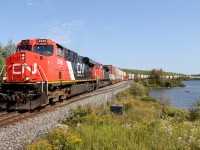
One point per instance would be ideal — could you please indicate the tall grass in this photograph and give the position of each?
(194, 111)
(144, 125)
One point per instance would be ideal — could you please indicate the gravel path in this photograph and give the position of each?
(22, 133)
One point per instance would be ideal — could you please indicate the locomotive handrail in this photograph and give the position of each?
(97, 78)
(42, 79)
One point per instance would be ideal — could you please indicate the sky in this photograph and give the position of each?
(131, 34)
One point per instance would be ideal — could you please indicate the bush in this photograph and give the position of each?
(62, 140)
(194, 111)
(160, 82)
(138, 89)
(177, 114)
(146, 82)
(97, 120)
(122, 95)
(128, 106)
(40, 145)
(78, 115)
(148, 99)
(168, 84)
(57, 140)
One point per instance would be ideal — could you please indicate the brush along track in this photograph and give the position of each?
(13, 118)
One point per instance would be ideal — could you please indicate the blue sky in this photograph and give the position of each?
(143, 34)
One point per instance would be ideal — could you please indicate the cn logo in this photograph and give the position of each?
(80, 68)
(23, 67)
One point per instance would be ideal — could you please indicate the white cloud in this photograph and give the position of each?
(59, 36)
(74, 25)
(63, 32)
(29, 2)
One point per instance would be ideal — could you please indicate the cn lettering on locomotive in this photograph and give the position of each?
(23, 67)
(80, 69)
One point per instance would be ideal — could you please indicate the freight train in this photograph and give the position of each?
(42, 71)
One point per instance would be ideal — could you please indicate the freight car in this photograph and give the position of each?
(43, 71)
(112, 73)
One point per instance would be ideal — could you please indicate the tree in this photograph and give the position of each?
(2, 60)
(8, 49)
(156, 74)
(5, 51)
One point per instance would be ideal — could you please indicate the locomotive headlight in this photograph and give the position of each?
(42, 40)
(23, 56)
(27, 78)
(4, 78)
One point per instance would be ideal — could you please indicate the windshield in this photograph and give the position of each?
(44, 49)
(25, 47)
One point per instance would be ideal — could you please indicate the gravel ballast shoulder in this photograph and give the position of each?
(17, 135)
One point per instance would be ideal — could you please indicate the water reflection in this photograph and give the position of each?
(180, 97)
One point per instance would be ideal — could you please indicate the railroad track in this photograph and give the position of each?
(5, 115)
(7, 119)
(11, 118)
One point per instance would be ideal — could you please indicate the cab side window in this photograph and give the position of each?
(60, 51)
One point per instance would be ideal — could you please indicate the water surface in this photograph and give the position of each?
(180, 97)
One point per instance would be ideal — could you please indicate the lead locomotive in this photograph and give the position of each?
(42, 72)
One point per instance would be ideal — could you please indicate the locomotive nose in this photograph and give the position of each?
(19, 68)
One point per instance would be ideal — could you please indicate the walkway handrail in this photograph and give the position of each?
(42, 78)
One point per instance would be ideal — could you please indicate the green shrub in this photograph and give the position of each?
(145, 82)
(194, 111)
(160, 82)
(128, 106)
(40, 145)
(148, 99)
(137, 89)
(97, 120)
(62, 140)
(168, 84)
(177, 114)
(122, 95)
(78, 115)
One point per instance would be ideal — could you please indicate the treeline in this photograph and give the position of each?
(147, 72)
(156, 79)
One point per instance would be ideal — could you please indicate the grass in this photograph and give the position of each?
(145, 124)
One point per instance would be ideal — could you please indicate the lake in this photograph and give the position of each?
(180, 97)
